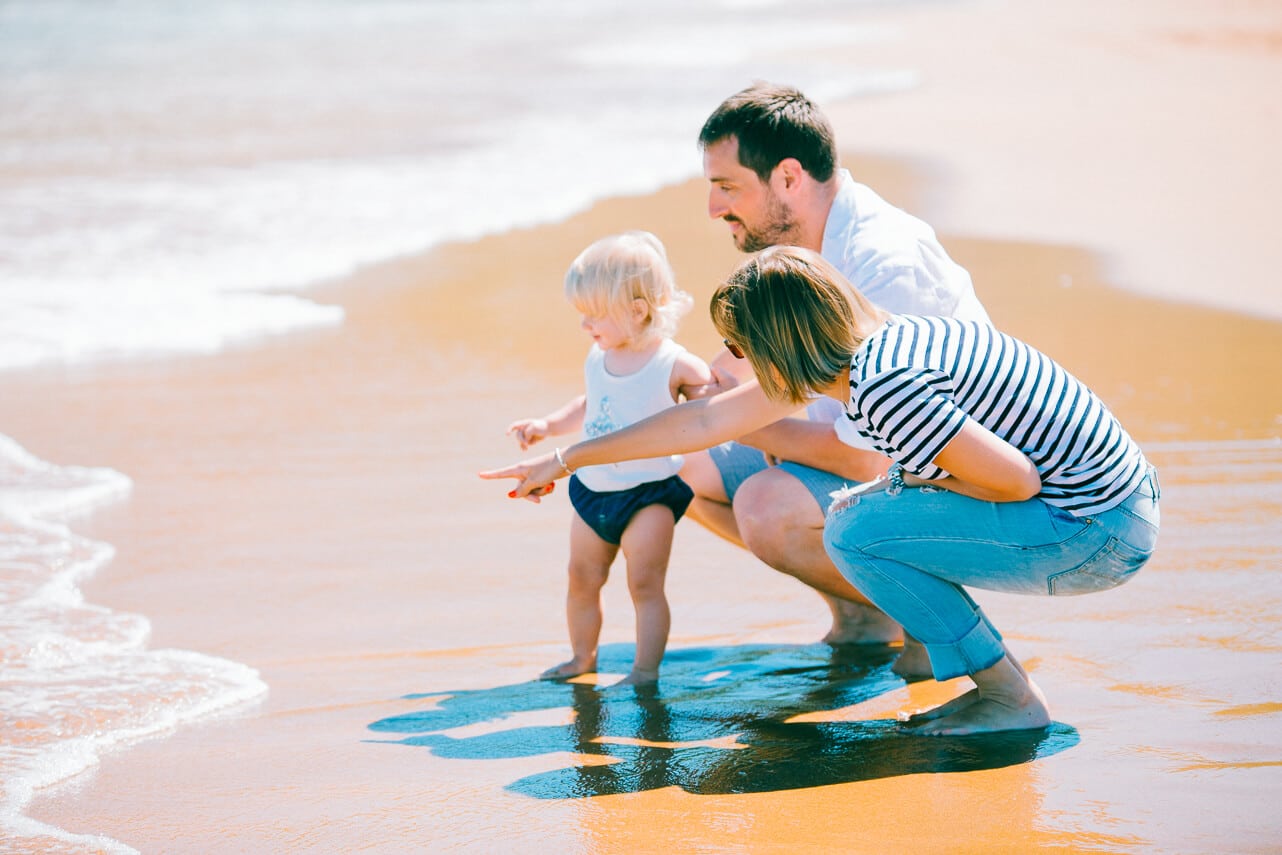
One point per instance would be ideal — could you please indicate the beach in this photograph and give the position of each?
(304, 505)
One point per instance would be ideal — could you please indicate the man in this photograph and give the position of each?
(771, 159)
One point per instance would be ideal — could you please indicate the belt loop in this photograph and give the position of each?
(1157, 487)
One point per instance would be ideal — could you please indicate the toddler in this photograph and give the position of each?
(626, 292)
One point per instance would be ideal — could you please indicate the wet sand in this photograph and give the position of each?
(308, 506)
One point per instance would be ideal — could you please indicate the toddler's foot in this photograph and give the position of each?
(639, 677)
(566, 670)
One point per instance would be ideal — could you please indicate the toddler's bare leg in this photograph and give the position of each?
(647, 544)
(590, 559)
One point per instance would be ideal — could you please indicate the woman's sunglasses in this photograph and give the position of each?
(733, 348)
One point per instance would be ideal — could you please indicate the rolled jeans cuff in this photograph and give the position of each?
(978, 649)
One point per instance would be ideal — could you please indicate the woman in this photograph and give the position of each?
(1007, 474)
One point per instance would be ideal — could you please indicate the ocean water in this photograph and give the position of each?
(175, 176)
(76, 678)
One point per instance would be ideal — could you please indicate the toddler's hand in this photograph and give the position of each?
(723, 379)
(528, 431)
(691, 393)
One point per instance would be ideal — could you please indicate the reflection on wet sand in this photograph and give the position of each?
(719, 722)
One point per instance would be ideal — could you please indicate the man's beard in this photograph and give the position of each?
(779, 228)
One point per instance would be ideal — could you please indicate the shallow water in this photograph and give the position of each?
(721, 721)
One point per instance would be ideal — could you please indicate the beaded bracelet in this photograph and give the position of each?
(561, 460)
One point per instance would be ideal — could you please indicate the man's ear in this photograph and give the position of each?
(787, 174)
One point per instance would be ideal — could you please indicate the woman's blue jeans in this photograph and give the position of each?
(911, 554)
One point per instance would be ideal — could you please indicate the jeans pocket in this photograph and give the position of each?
(1064, 527)
(1114, 564)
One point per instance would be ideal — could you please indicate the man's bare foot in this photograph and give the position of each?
(913, 662)
(1004, 699)
(566, 670)
(639, 677)
(859, 623)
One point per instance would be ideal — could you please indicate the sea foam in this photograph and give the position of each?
(173, 183)
(77, 679)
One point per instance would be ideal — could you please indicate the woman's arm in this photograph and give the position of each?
(692, 426)
(816, 444)
(983, 466)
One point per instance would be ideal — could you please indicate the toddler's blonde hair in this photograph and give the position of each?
(615, 271)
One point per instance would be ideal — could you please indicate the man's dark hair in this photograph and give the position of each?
(772, 123)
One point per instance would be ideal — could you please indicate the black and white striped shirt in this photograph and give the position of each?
(916, 381)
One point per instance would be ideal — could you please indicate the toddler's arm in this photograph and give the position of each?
(564, 420)
(691, 378)
(726, 372)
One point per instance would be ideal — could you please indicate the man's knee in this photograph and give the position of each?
(773, 508)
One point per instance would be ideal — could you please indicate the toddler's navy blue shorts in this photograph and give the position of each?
(608, 514)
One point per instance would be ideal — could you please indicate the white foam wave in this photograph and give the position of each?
(77, 679)
(156, 198)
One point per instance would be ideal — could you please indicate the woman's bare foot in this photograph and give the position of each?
(913, 662)
(639, 677)
(989, 716)
(945, 709)
(859, 623)
(566, 670)
(1004, 698)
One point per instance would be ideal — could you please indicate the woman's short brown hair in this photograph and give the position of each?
(795, 317)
